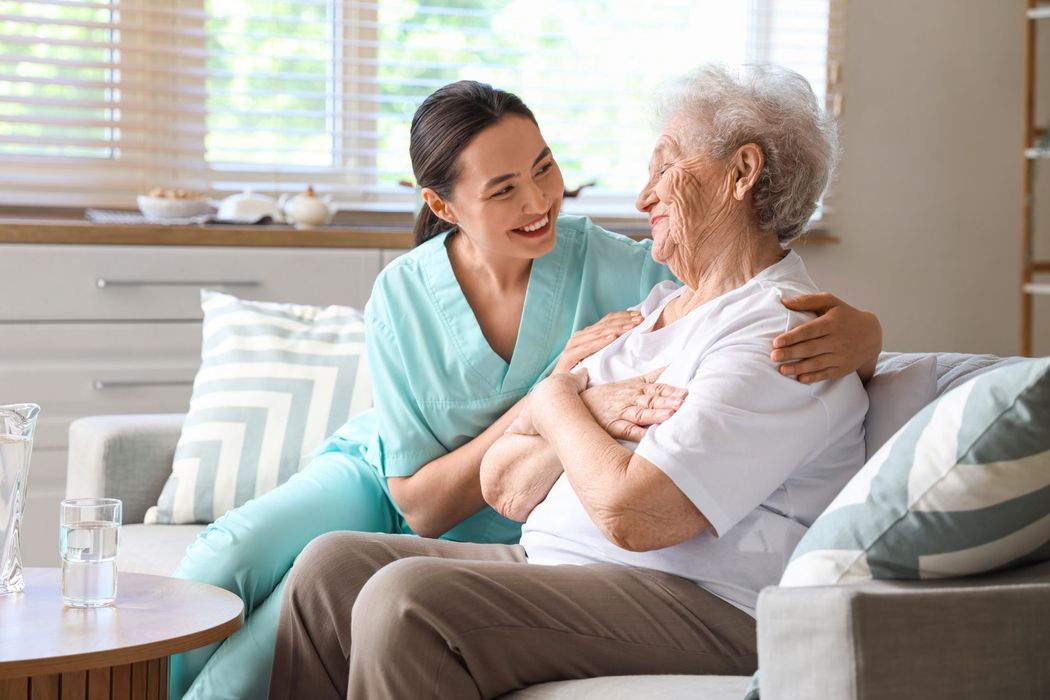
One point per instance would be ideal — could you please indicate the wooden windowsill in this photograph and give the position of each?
(396, 236)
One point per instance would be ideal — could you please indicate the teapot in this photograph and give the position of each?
(307, 210)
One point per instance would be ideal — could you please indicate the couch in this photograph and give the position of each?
(979, 637)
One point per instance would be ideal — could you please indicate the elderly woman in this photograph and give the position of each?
(643, 554)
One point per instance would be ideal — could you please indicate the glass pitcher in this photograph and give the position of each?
(17, 423)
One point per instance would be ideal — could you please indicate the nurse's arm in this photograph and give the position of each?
(631, 500)
(517, 473)
(447, 491)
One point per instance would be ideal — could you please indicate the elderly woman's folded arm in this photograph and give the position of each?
(519, 470)
(631, 500)
(517, 473)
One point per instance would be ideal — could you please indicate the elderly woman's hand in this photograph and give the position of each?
(627, 408)
(587, 341)
(841, 340)
(624, 409)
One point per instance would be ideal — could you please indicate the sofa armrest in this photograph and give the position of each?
(127, 457)
(977, 637)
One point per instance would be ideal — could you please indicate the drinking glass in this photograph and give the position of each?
(88, 543)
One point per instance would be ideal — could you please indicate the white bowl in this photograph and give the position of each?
(162, 208)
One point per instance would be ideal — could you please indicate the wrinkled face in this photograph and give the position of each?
(509, 192)
(685, 195)
(665, 155)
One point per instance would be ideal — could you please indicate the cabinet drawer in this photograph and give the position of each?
(65, 282)
(75, 370)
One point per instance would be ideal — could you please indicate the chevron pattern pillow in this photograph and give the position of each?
(963, 488)
(274, 381)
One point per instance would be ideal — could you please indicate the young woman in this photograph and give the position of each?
(499, 292)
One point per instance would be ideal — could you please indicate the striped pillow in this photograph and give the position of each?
(963, 488)
(274, 381)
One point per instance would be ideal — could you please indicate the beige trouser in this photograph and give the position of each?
(377, 617)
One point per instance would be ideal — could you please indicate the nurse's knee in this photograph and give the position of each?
(230, 546)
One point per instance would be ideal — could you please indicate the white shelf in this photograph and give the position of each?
(1037, 288)
(1039, 13)
(1034, 153)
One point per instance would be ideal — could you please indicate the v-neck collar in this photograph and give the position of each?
(530, 355)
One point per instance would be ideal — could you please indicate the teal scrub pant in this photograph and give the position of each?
(249, 552)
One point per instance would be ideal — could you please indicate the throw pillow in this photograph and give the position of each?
(963, 488)
(905, 382)
(901, 387)
(274, 381)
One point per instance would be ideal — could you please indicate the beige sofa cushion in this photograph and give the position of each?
(635, 687)
(154, 549)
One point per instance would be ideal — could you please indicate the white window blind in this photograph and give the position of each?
(101, 100)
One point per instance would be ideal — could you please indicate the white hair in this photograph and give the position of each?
(775, 109)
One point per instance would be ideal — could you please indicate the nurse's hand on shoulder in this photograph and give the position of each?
(589, 340)
(623, 409)
(841, 340)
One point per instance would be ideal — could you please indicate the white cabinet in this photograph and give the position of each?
(88, 330)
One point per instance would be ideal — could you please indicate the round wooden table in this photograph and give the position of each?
(50, 651)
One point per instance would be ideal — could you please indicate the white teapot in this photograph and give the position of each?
(307, 210)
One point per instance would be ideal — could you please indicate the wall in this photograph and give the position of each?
(928, 194)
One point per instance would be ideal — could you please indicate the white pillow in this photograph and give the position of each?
(901, 387)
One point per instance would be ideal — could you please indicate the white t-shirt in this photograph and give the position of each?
(759, 454)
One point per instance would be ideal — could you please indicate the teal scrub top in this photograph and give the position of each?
(436, 382)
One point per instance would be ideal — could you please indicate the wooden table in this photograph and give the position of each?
(50, 651)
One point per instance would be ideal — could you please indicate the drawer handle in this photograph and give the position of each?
(102, 384)
(102, 283)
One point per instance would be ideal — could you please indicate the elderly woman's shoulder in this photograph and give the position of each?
(787, 278)
(758, 304)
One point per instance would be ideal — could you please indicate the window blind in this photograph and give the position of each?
(103, 99)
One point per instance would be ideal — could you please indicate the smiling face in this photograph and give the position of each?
(682, 177)
(665, 155)
(509, 192)
(699, 206)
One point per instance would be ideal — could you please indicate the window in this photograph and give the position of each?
(102, 99)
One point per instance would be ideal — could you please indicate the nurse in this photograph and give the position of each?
(499, 292)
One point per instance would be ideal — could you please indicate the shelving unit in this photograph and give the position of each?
(1030, 266)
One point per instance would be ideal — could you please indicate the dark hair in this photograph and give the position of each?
(442, 127)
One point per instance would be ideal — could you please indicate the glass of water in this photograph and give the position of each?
(88, 542)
